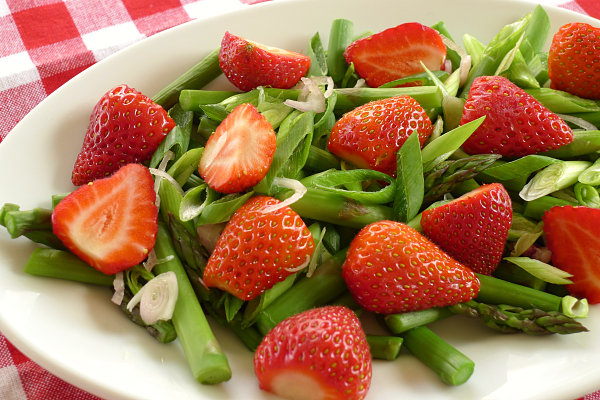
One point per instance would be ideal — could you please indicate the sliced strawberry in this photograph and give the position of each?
(472, 228)
(125, 127)
(110, 223)
(238, 155)
(573, 60)
(392, 268)
(318, 354)
(516, 124)
(249, 64)
(571, 234)
(370, 135)
(396, 52)
(258, 248)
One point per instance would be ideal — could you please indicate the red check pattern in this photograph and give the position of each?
(43, 44)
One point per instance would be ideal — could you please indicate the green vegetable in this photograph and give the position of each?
(453, 367)
(203, 352)
(195, 78)
(554, 177)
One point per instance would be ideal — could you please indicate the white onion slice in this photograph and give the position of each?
(298, 188)
(119, 286)
(151, 261)
(157, 298)
(301, 266)
(169, 155)
(580, 122)
(448, 66)
(165, 175)
(465, 66)
(312, 266)
(360, 83)
(208, 235)
(310, 99)
(465, 59)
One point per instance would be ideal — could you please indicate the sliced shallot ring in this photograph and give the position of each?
(298, 188)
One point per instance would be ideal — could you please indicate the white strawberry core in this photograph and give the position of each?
(294, 385)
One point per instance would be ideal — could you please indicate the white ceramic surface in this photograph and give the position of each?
(77, 333)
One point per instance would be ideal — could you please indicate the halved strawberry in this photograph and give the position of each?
(318, 354)
(125, 127)
(573, 60)
(249, 64)
(396, 52)
(238, 155)
(392, 268)
(370, 135)
(258, 248)
(516, 124)
(472, 228)
(110, 223)
(571, 234)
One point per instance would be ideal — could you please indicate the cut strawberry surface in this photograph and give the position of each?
(396, 52)
(318, 354)
(125, 127)
(258, 248)
(516, 124)
(392, 268)
(110, 223)
(249, 64)
(472, 228)
(238, 155)
(370, 135)
(573, 60)
(571, 234)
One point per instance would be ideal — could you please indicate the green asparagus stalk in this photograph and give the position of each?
(510, 319)
(384, 347)
(53, 263)
(498, 291)
(444, 177)
(453, 367)
(207, 361)
(195, 78)
(163, 331)
(325, 285)
(34, 224)
(330, 207)
(403, 322)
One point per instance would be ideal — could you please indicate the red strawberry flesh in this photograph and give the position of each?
(248, 64)
(318, 354)
(516, 124)
(110, 223)
(257, 249)
(571, 234)
(392, 268)
(472, 228)
(125, 127)
(573, 60)
(396, 53)
(370, 135)
(238, 155)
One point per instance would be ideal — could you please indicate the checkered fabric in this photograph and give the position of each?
(43, 44)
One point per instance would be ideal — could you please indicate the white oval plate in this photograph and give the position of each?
(75, 331)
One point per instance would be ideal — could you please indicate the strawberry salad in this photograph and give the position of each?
(394, 174)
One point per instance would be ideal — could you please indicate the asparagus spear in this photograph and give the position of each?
(453, 367)
(34, 224)
(510, 319)
(444, 177)
(207, 361)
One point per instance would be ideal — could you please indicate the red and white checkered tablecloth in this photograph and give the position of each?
(43, 44)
